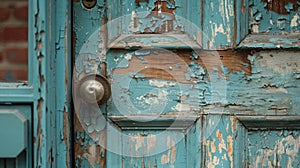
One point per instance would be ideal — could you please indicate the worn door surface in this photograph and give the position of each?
(194, 83)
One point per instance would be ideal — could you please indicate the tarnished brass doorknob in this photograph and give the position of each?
(95, 88)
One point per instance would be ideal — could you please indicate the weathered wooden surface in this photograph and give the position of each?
(255, 85)
(155, 82)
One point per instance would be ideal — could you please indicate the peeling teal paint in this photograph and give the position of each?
(260, 84)
(271, 89)
(218, 19)
(289, 7)
(89, 52)
(219, 141)
(143, 92)
(194, 56)
(161, 150)
(274, 148)
(196, 71)
(134, 19)
(264, 21)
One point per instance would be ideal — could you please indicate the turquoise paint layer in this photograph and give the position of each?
(86, 22)
(218, 24)
(128, 18)
(193, 145)
(161, 148)
(14, 131)
(89, 53)
(242, 20)
(240, 152)
(114, 12)
(39, 26)
(60, 100)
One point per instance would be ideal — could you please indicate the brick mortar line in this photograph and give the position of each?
(8, 3)
(18, 45)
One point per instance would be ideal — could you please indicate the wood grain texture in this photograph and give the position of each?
(158, 65)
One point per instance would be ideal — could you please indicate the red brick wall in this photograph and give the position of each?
(13, 40)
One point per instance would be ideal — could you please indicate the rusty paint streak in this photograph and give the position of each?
(243, 6)
(170, 157)
(233, 123)
(67, 57)
(235, 29)
(65, 112)
(173, 152)
(66, 134)
(50, 156)
(219, 135)
(41, 75)
(74, 38)
(162, 6)
(39, 128)
(39, 45)
(213, 146)
(143, 162)
(230, 149)
(222, 146)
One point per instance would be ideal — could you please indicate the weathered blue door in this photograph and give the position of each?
(197, 83)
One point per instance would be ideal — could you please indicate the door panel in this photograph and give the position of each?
(154, 148)
(175, 104)
(16, 132)
(252, 141)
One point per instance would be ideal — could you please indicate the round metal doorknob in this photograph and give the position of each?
(95, 89)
